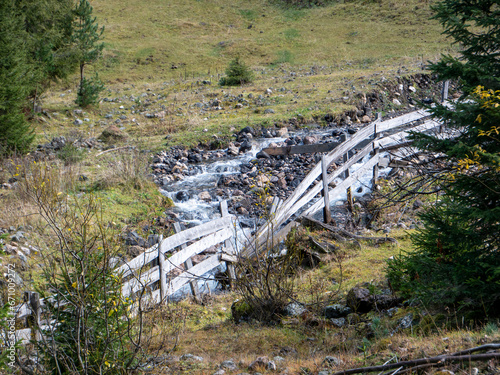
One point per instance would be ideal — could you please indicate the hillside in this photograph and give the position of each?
(319, 70)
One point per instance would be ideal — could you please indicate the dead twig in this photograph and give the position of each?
(345, 234)
(440, 360)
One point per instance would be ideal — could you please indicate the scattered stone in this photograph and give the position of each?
(191, 358)
(229, 365)
(269, 111)
(111, 134)
(133, 239)
(359, 300)
(331, 361)
(259, 362)
(262, 155)
(396, 102)
(294, 309)
(271, 366)
(310, 140)
(336, 311)
(338, 322)
(205, 196)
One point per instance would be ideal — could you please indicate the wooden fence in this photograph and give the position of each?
(370, 140)
(165, 268)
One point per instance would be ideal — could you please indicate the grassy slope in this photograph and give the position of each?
(356, 43)
(339, 50)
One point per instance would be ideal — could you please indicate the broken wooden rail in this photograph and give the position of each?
(370, 140)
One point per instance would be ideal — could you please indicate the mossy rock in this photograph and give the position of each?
(241, 311)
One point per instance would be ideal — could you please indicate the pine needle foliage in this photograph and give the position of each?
(457, 261)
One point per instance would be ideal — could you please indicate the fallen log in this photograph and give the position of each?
(307, 220)
(422, 362)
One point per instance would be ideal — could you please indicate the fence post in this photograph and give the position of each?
(188, 264)
(327, 217)
(444, 92)
(163, 277)
(228, 244)
(343, 138)
(376, 148)
(32, 299)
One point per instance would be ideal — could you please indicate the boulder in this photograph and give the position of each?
(359, 300)
(112, 134)
(336, 311)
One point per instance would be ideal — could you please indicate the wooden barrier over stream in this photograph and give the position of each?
(165, 268)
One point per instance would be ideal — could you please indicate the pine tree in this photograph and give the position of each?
(457, 261)
(86, 37)
(15, 77)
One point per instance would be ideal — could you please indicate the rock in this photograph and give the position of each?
(269, 111)
(134, 251)
(248, 129)
(417, 204)
(359, 300)
(268, 91)
(309, 140)
(396, 102)
(191, 358)
(262, 155)
(294, 309)
(78, 122)
(241, 311)
(278, 359)
(111, 134)
(365, 119)
(233, 150)
(331, 361)
(133, 239)
(229, 365)
(324, 372)
(182, 196)
(282, 132)
(14, 276)
(406, 321)
(271, 366)
(412, 89)
(242, 210)
(245, 146)
(338, 322)
(219, 372)
(205, 196)
(18, 237)
(259, 362)
(336, 311)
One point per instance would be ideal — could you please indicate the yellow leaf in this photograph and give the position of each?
(74, 285)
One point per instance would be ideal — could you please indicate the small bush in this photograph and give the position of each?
(237, 73)
(70, 154)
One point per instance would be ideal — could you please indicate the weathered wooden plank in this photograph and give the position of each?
(197, 247)
(194, 273)
(228, 245)
(143, 280)
(402, 120)
(173, 242)
(301, 149)
(187, 265)
(343, 185)
(161, 270)
(400, 137)
(324, 176)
